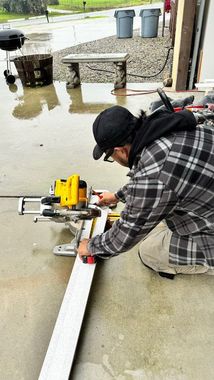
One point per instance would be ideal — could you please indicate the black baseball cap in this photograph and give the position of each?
(111, 128)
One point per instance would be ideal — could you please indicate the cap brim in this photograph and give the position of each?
(97, 152)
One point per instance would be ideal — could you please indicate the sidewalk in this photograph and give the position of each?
(79, 16)
(66, 31)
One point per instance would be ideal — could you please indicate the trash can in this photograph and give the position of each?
(124, 23)
(35, 70)
(149, 22)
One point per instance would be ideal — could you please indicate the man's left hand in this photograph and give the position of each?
(82, 249)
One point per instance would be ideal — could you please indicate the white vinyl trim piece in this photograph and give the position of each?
(60, 354)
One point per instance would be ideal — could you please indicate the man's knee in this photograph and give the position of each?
(154, 249)
(154, 252)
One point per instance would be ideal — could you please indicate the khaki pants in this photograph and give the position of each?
(154, 252)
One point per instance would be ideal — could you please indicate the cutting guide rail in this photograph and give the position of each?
(60, 354)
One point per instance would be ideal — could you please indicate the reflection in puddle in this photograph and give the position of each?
(33, 99)
(27, 103)
(13, 87)
(79, 106)
(31, 102)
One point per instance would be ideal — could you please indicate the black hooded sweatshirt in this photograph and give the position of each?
(159, 124)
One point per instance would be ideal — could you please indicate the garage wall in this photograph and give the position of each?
(207, 56)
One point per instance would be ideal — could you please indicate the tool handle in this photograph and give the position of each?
(49, 213)
(89, 259)
(97, 194)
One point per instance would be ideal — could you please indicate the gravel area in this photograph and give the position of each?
(147, 57)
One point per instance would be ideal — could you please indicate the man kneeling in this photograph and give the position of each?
(169, 198)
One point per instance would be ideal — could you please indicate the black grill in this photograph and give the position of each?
(11, 39)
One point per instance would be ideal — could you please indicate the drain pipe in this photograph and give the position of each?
(196, 43)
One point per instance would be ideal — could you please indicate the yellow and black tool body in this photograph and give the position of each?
(71, 191)
(71, 203)
(68, 201)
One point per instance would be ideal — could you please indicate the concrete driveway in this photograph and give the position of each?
(137, 326)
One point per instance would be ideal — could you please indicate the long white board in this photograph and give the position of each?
(61, 350)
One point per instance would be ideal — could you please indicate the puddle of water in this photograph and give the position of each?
(28, 103)
(39, 37)
(47, 129)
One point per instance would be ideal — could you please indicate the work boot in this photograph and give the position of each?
(170, 276)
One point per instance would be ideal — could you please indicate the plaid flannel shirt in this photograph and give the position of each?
(172, 180)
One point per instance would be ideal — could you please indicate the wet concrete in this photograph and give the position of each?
(32, 286)
(137, 326)
(43, 123)
(144, 327)
(45, 134)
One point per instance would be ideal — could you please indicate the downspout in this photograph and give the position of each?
(196, 43)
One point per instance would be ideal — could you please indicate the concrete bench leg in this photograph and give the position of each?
(74, 75)
(120, 73)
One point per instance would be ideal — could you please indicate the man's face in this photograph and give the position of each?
(121, 155)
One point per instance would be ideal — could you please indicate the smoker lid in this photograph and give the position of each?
(10, 34)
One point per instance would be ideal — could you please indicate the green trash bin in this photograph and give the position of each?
(149, 22)
(124, 22)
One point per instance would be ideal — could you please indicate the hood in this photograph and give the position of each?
(160, 124)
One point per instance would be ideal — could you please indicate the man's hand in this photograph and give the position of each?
(107, 199)
(82, 249)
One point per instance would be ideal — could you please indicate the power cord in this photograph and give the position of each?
(19, 196)
(153, 75)
(123, 92)
(136, 75)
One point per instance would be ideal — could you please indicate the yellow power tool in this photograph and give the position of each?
(68, 201)
(71, 191)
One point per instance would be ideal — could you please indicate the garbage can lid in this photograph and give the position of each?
(151, 11)
(124, 13)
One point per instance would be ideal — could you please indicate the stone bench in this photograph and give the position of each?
(119, 60)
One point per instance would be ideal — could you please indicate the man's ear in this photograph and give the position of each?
(122, 149)
(118, 148)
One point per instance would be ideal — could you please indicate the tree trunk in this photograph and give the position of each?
(53, 2)
(35, 7)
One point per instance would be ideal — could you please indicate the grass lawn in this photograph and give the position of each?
(76, 5)
(6, 16)
(98, 4)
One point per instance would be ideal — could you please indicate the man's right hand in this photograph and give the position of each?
(107, 199)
